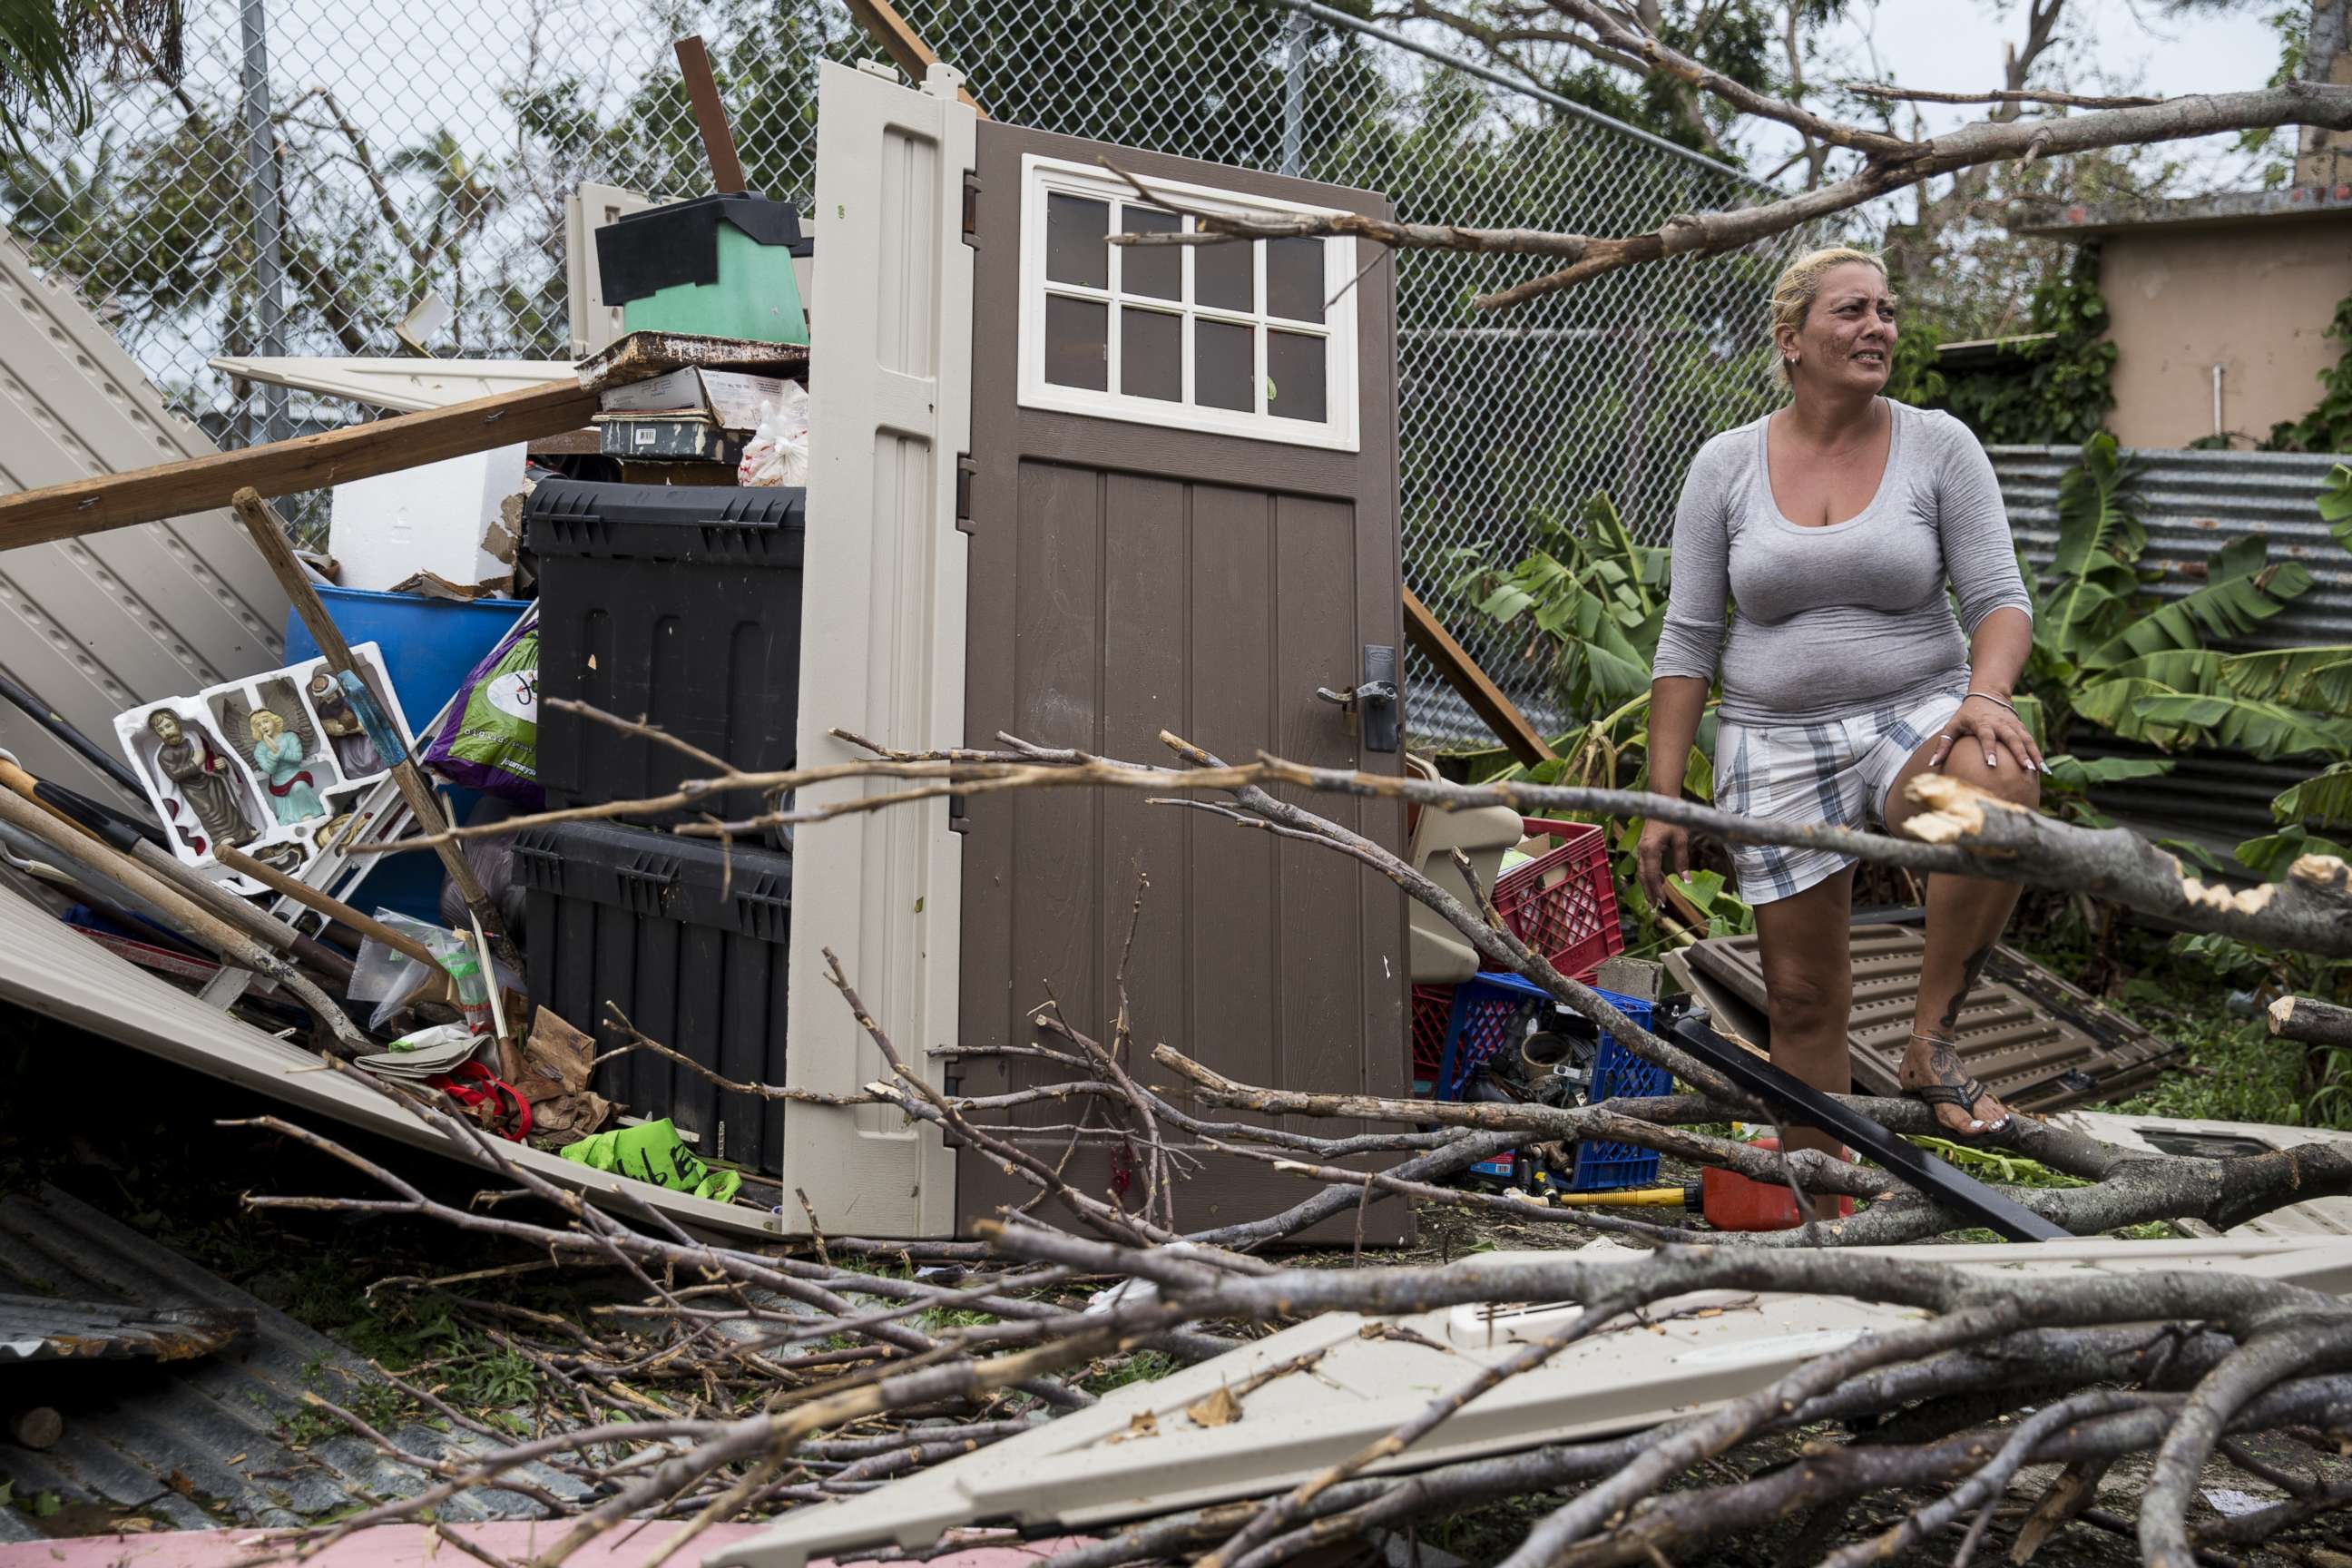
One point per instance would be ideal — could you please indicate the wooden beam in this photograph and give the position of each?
(1461, 672)
(710, 116)
(903, 43)
(82, 507)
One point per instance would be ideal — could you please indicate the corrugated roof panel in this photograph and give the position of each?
(99, 625)
(2192, 503)
(196, 1442)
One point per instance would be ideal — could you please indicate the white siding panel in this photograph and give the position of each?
(97, 625)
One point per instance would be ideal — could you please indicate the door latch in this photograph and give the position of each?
(1374, 702)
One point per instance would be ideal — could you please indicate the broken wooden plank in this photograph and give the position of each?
(83, 506)
(710, 115)
(903, 43)
(1462, 673)
(641, 355)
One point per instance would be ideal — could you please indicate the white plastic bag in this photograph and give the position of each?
(778, 452)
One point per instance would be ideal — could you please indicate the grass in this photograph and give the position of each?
(2180, 989)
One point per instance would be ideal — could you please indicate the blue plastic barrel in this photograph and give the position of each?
(428, 646)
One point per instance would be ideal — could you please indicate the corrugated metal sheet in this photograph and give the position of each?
(2035, 1041)
(196, 1443)
(99, 625)
(53, 1328)
(2192, 503)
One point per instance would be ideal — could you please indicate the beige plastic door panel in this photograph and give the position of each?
(882, 637)
(594, 324)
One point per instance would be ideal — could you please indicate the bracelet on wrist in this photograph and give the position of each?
(1997, 701)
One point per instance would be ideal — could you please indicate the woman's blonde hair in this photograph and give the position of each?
(1794, 292)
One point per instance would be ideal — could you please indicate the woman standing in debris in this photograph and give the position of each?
(1835, 525)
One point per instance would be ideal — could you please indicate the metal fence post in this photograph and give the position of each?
(261, 191)
(1294, 95)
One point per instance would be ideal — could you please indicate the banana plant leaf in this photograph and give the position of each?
(2230, 607)
(2271, 855)
(2099, 536)
(2073, 772)
(2318, 678)
(2323, 802)
(2265, 729)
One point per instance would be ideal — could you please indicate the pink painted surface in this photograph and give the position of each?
(415, 1546)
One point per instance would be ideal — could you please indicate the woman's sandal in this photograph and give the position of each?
(1966, 1095)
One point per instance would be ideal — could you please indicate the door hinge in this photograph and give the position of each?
(956, 821)
(965, 468)
(972, 210)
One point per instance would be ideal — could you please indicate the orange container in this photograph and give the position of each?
(1731, 1202)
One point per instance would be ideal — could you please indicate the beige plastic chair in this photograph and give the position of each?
(1439, 954)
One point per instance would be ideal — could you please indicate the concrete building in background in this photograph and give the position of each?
(2219, 307)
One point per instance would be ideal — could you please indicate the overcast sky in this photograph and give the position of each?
(2129, 45)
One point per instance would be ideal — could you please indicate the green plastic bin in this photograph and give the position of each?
(717, 266)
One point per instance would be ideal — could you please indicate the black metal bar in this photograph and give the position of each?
(49, 719)
(1806, 1106)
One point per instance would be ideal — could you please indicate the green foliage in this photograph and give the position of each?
(2103, 656)
(51, 48)
(2289, 22)
(2328, 427)
(1726, 914)
(2055, 390)
(2315, 817)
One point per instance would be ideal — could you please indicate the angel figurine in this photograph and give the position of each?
(203, 778)
(293, 793)
(344, 732)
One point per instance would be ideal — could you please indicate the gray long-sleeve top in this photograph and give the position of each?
(1848, 616)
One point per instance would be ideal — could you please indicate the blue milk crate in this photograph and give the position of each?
(1487, 1008)
(1618, 1074)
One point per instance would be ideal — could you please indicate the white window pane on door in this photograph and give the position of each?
(1225, 276)
(1077, 246)
(1224, 363)
(1151, 353)
(1154, 270)
(1297, 382)
(1293, 279)
(1077, 339)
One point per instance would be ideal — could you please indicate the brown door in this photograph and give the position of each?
(1182, 517)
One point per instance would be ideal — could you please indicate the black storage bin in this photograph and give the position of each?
(687, 937)
(676, 604)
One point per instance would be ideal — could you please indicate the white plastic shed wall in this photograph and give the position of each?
(882, 637)
(99, 625)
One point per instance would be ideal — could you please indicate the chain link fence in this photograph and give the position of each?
(426, 149)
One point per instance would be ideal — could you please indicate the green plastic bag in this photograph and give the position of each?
(653, 1151)
(492, 743)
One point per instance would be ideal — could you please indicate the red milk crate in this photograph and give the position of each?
(1562, 903)
(1432, 1007)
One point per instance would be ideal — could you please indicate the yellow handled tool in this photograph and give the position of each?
(1633, 1197)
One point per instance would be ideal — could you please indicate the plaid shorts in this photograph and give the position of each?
(1837, 772)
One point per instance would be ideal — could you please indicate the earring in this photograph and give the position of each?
(1790, 358)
